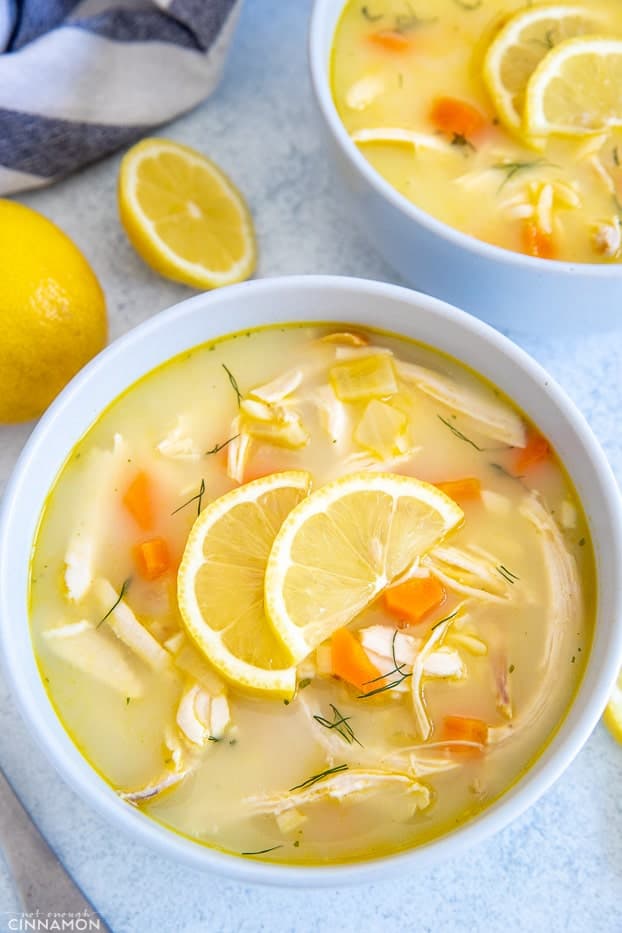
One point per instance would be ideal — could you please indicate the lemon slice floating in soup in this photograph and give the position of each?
(341, 547)
(221, 582)
(576, 89)
(520, 46)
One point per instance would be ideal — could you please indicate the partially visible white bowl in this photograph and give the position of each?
(311, 299)
(506, 288)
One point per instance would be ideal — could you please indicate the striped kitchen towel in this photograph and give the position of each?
(79, 78)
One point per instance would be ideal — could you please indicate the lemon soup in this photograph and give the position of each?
(313, 612)
(501, 119)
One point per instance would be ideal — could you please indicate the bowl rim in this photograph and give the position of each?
(75, 770)
(323, 12)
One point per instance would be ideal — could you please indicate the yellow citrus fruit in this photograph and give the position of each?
(221, 582)
(184, 216)
(576, 89)
(613, 713)
(52, 312)
(342, 545)
(519, 47)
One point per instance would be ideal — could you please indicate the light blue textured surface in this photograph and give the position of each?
(559, 867)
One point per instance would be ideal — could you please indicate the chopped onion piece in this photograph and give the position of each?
(279, 388)
(364, 91)
(93, 653)
(179, 443)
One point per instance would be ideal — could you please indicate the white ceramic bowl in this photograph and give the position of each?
(313, 298)
(506, 288)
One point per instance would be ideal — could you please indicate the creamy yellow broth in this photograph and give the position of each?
(492, 185)
(165, 425)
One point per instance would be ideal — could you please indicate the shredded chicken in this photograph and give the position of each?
(166, 782)
(365, 91)
(564, 607)
(238, 451)
(379, 642)
(395, 134)
(492, 417)
(122, 621)
(81, 556)
(93, 653)
(279, 388)
(201, 717)
(179, 444)
(469, 572)
(348, 786)
(607, 237)
(434, 639)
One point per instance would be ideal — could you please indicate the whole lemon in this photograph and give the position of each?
(52, 312)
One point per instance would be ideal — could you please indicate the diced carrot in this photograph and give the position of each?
(350, 662)
(152, 558)
(457, 118)
(461, 489)
(465, 729)
(390, 40)
(536, 242)
(536, 451)
(138, 500)
(412, 600)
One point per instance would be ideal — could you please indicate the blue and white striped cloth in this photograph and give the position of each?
(80, 78)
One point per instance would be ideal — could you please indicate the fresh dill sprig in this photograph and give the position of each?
(513, 168)
(198, 498)
(124, 588)
(218, 447)
(502, 470)
(507, 574)
(304, 683)
(370, 17)
(459, 139)
(234, 383)
(263, 851)
(615, 155)
(448, 618)
(397, 669)
(318, 777)
(214, 738)
(341, 724)
(454, 430)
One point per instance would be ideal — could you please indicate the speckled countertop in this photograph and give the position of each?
(559, 867)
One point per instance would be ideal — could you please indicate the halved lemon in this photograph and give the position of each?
(221, 582)
(520, 46)
(576, 90)
(184, 216)
(613, 713)
(342, 545)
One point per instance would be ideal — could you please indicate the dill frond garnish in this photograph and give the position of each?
(502, 470)
(406, 22)
(454, 430)
(318, 777)
(234, 383)
(370, 17)
(513, 168)
(448, 618)
(263, 851)
(304, 683)
(218, 447)
(341, 724)
(459, 139)
(398, 669)
(615, 155)
(507, 574)
(124, 588)
(198, 498)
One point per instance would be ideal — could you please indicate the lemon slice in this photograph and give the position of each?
(576, 88)
(342, 545)
(183, 216)
(613, 713)
(221, 582)
(520, 46)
